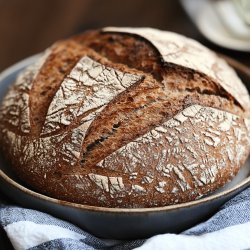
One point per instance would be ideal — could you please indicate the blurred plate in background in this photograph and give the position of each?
(220, 22)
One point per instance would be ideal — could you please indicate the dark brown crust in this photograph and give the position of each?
(161, 93)
(136, 52)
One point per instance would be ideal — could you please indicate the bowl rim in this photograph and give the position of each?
(243, 184)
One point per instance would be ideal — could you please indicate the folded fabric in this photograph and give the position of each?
(227, 229)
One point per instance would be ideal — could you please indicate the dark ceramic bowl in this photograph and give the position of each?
(117, 223)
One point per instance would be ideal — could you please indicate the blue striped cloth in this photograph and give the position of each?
(227, 229)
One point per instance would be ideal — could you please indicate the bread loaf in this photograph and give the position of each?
(126, 117)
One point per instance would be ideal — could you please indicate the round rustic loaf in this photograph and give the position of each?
(126, 117)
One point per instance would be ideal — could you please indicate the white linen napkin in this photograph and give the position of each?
(227, 229)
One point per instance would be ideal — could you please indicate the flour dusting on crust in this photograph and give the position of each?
(195, 150)
(198, 138)
(180, 50)
(90, 85)
(15, 104)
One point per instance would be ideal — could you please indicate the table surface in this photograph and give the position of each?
(176, 20)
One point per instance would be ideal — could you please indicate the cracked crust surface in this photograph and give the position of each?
(119, 118)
